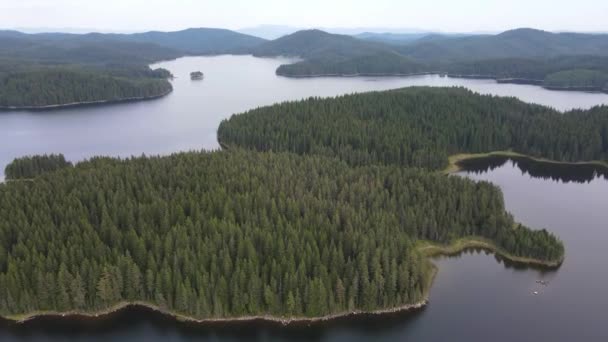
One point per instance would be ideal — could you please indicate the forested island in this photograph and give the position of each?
(323, 226)
(237, 233)
(419, 127)
(30, 88)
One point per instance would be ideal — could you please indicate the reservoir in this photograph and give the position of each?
(188, 118)
(475, 295)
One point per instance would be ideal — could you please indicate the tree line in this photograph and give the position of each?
(419, 127)
(36, 86)
(32, 166)
(237, 233)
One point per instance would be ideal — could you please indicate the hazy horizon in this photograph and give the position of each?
(466, 16)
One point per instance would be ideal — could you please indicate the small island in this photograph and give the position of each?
(196, 76)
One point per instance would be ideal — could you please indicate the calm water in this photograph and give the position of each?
(188, 118)
(475, 297)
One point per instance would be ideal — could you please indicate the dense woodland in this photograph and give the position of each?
(47, 86)
(419, 127)
(33, 166)
(57, 69)
(333, 54)
(588, 72)
(523, 54)
(238, 233)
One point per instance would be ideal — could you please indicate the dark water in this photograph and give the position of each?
(475, 296)
(579, 173)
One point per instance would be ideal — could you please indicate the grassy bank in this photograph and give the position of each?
(432, 249)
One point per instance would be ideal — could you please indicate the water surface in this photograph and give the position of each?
(475, 297)
(188, 118)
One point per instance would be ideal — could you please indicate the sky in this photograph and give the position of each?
(436, 15)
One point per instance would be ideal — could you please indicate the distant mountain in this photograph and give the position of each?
(200, 41)
(333, 54)
(519, 43)
(147, 46)
(391, 38)
(317, 43)
(269, 32)
(75, 48)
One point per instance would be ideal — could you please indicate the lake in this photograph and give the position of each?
(475, 295)
(188, 118)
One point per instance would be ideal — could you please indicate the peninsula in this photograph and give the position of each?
(242, 234)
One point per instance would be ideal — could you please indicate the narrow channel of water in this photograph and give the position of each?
(188, 118)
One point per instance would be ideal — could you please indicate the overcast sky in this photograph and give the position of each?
(443, 15)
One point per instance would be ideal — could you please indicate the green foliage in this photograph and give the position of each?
(518, 43)
(523, 54)
(79, 49)
(561, 72)
(332, 54)
(38, 86)
(204, 41)
(578, 79)
(238, 233)
(419, 127)
(30, 167)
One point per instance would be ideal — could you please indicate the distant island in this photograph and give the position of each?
(196, 76)
(54, 70)
(248, 233)
(564, 61)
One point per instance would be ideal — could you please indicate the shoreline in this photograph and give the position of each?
(514, 80)
(84, 104)
(361, 75)
(284, 321)
(428, 249)
(432, 249)
(455, 159)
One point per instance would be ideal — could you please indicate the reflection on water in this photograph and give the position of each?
(144, 324)
(476, 297)
(188, 118)
(578, 173)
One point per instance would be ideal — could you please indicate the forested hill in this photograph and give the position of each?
(528, 55)
(419, 127)
(519, 43)
(146, 46)
(333, 54)
(61, 69)
(56, 48)
(237, 233)
(198, 41)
